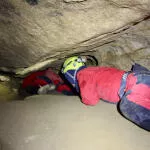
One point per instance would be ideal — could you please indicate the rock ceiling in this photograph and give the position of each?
(33, 37)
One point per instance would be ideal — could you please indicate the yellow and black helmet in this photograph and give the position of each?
(70, 68)
(73, 63)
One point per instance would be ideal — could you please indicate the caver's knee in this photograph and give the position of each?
(135, 113)
(146, 124)
(128, 109)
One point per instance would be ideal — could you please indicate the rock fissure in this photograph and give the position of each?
(116, 32)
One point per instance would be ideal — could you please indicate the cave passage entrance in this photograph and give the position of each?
(17, 88)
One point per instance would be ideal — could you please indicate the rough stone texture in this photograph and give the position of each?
(69, 1)
(9, 88)
(132, 45)
(64, 123)
(54, 29)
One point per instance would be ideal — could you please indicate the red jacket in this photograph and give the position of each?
(34, 80)
(99, 82)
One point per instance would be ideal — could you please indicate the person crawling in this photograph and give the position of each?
(130, 91)
(45, 82)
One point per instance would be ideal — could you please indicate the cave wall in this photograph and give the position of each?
(32, 37)
(132, 46)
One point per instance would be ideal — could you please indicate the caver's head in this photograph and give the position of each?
(70, 68)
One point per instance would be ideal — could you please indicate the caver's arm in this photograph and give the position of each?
(88, 88)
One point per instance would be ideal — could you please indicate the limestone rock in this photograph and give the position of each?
(74, 1)
(132, 46)
(4, 78)
(7, 93)
(9, 88)
(62, 123)
(54, 29)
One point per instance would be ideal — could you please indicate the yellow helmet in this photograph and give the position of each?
(70, 68)
(73, 63)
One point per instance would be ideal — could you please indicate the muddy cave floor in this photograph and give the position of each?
(10, 89)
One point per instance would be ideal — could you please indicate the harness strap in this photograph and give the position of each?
(123, 84)
(46, 79)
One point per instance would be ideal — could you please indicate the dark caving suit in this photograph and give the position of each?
(135, 100)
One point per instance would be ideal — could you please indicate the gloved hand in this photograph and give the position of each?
(46, 89)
